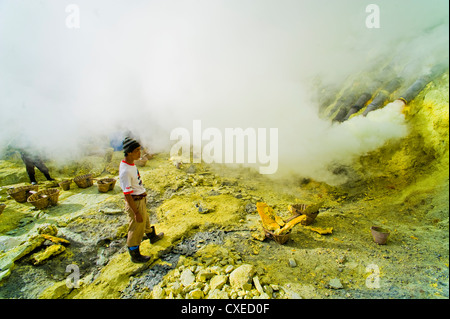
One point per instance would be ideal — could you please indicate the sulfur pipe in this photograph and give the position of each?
(363, 99)
(383, 95)
(422, 82)
(347, 99)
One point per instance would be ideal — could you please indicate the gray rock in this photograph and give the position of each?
(292, 263)
(335, 283)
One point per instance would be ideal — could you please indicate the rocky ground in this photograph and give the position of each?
(201, 251)
(213, 246)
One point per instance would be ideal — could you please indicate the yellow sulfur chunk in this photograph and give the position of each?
(56, 240)
(50, 251)
(280, 221)
(322, 231)
(266, 213)
(289, 225)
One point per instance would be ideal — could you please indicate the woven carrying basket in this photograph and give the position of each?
(311, 212)
(84, 181)
(280, 239)
(53, 195)
(106, 184)
(21, 194)
(38, 201)
(2, 207)
(44, 198)
(65, 185)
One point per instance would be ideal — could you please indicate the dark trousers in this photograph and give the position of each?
(30, 163)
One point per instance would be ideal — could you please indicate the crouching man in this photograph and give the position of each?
(135, 202)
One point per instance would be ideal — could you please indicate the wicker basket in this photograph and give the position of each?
(65, 185)
(106, 184)
(84, 181)
(39, 201)
(53, 195)
(311, 212)
(2, 208)
(44, 198)
(280, 239)
(21, 194)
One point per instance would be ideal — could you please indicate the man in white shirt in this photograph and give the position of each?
(135, 202)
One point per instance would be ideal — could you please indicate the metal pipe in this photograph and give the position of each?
(347, 98)
(383, 95)
(422, 82)
(363, 99)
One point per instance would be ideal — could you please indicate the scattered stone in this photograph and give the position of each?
(229, 269)
(258, 285)
(217, 294)
(195, 294)
(247, 286)
(292, 263)
(242, 275)
(291, 294)
(187, 277)
(275, 287)
(335, 283)
(218, 281)
(158, 292)
(262, 296)
(204, 275)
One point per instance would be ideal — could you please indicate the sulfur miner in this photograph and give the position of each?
(135, 202)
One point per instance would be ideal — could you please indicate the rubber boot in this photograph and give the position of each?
(153, 237)
(136, 256)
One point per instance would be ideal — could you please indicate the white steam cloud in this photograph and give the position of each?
(152, 66)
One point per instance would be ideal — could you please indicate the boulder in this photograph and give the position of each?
(242, 275)
(187, 277)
